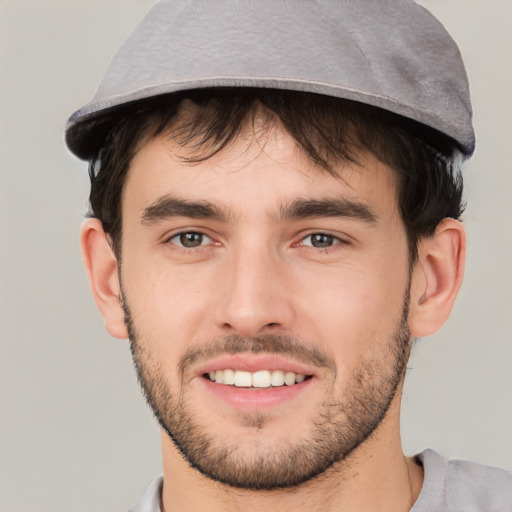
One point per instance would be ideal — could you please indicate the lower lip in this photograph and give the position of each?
(251, 399)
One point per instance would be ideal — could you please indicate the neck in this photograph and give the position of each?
(375, 477)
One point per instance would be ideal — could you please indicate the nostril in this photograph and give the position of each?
(249, 329)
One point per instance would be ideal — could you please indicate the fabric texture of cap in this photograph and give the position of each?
(391, 54)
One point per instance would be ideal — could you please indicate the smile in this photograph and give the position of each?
(258, 379)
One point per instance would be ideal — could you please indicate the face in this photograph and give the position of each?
(267, 303)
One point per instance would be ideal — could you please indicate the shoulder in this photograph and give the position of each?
(466, 486)
(478, 486)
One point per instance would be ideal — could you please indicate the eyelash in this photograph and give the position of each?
(185, 234)
(333, 239)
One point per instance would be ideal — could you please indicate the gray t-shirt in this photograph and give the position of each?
(449, 486)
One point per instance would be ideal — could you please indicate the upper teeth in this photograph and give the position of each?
(259, 379)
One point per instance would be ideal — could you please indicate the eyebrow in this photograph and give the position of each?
(166, 207)
(310, 208)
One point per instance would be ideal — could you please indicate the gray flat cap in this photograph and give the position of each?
(391, 54)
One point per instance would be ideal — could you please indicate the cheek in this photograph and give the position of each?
(357, 293)
(168, 303)
(353, 310)
(163, 320)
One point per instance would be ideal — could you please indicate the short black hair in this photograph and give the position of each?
(327, 129)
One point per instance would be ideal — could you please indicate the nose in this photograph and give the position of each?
(254, 296)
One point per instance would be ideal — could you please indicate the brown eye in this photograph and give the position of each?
(190, 240)
(320, 240)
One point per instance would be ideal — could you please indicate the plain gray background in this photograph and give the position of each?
(75, 433)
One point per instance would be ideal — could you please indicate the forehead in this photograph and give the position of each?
(261, 168)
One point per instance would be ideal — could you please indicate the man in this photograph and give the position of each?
(275, 203)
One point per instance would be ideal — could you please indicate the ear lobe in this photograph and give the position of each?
(102, 272)
(437, 277)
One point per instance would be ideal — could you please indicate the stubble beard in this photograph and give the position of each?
(342, 425)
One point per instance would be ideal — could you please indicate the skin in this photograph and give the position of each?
(257, 274)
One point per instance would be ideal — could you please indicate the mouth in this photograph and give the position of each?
(256, 382)
(261, 379)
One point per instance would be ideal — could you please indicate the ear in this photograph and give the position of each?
(437, 277)
(102, 272)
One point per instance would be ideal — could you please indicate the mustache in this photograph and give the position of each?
(269, 343)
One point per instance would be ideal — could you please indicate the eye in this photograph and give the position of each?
(320, 240)
(190, 239)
